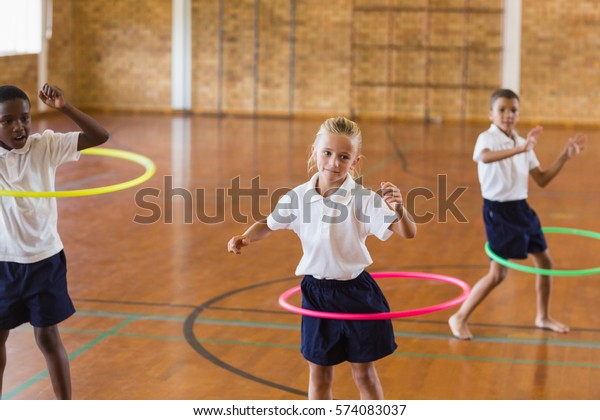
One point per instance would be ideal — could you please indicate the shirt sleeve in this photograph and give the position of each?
(62, 147)
(483, 142)
(533, 160)
(379, 217)
(285, 212)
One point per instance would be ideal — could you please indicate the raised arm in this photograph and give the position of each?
(489, 156)
(92, 133)
(405, 225)
(574, 146)
(256, 232)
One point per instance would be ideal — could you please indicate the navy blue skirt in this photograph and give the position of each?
(328, 342)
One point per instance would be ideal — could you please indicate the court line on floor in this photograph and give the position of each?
(101, 337)
(550, 341)
(402, 320)
(132, 317)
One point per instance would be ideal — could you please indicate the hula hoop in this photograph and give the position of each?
(283, 299)
(144, 161)
(547, 271)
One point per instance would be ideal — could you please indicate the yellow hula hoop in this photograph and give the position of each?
(144, 161)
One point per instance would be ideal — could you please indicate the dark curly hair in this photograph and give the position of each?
(9, 92)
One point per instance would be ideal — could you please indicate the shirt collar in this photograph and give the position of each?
(495, 128)
(20, 151)
(342, 195)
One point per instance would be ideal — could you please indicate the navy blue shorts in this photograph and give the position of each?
(513, 229)
(328, 342)
(34, 293)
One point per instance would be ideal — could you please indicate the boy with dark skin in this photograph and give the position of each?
(33, 286)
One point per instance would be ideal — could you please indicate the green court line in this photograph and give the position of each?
(397, 353)
(101, 338)
(497, 360)
(131, 317)
(105, 314)
(71, 356)
(406, 334)
(215, 321)
(287, 326)
(507, 340)
(214, 341)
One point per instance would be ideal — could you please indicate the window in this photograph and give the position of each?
(20, 27)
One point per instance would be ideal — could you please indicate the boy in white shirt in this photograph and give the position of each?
(33, 283)
(513, 230)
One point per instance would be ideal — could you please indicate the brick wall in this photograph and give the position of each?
(21, 71)
(122, 54)
(322, 57)
(560, 61)
(309, 57)
(61, 49)
(207, 82)
(417, 59)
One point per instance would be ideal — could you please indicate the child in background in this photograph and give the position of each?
(513, 230)
(333, 215)
(33, 283)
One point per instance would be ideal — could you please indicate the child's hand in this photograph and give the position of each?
(52, 96)
(575, 145)
(236, 244)
(391, 195)
(532, 137)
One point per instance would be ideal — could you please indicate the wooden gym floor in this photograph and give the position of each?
(164, 312)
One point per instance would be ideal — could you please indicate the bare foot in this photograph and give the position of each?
(459, 328)
(552, 325)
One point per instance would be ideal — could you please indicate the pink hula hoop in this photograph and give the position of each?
(466, 289)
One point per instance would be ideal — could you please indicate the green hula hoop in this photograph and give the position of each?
(546, 271)
(144, 161)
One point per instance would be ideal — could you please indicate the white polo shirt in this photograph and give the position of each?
(28, 226)
(333, 230)
(506, 179)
